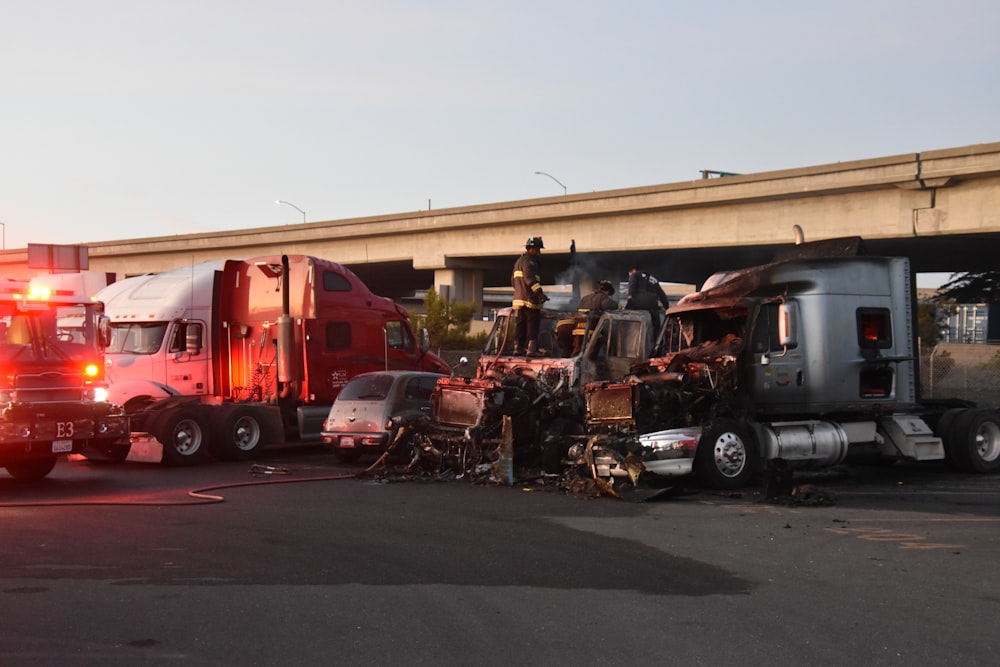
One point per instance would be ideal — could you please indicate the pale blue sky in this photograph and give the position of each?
(133, 118)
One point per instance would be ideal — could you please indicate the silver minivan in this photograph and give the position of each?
(361, 418)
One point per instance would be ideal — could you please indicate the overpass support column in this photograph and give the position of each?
(462, 285)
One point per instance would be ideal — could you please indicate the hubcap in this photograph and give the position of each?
(988, 441)
(730, 454)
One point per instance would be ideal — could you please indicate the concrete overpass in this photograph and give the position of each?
(941, 208)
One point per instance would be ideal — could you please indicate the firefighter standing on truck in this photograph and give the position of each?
(528, 298)
(644, 292)
(590, 309)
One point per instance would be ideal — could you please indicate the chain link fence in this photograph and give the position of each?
(955, 370)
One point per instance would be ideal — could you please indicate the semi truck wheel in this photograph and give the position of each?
(974, 443)
(32, 468)
(726, 455)
(555, 445)
(239, 436)
(182, 432)
(943, 430)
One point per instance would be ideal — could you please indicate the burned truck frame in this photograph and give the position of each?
(788, 364)
(513, 412)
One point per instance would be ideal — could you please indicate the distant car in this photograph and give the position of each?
(361, 418)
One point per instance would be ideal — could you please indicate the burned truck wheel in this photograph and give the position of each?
(555, 443)
(239, 436)
(182, 433)
(31, 468)
(726, 455)
(974, 442)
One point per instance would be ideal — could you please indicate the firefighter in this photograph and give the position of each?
(528, 298)
(600, 299)
(591, 306)
(644, 292)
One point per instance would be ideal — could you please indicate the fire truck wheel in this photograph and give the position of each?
(239, 436)
(975, 441)
(182, 432)
(726, 455)
(31, 469)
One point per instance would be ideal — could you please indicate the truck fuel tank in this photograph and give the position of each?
(817, 442)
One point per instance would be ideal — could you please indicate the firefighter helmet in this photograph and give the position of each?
(534, 242)
(606, 287)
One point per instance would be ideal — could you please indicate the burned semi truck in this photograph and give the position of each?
(788, 365)
(517, 409)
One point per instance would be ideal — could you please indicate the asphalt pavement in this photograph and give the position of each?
(306, 564)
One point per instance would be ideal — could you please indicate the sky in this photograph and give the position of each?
(125, 119)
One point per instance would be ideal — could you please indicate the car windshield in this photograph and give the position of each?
(368, 388)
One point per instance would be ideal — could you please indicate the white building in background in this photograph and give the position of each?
(972, 323)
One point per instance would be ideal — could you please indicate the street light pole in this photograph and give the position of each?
(4, 247)
(542, 173)
(288, 203)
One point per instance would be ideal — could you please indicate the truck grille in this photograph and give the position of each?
(610, 402)
(48, 387)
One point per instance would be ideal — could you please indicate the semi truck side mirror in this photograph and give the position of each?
(192, 338)
(425, 340)
(788, 318)
(104, 331)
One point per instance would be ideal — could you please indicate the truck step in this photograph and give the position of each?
(909, 436)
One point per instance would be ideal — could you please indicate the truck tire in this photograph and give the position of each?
(182, 431)
(239, 436)
(974, 442)
(32, 468)
(727, 455)
(943, 430)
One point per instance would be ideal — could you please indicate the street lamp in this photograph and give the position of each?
(542, 173)
(288, 203)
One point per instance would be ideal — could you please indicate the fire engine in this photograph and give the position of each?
(53, 390)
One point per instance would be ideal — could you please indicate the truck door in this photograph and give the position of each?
(775, 361)
(188, 357)
(618, 342)
(400, 348)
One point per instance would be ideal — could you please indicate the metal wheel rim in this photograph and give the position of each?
(730, 454)
(988, 441)
(246, 433)
(187, 437)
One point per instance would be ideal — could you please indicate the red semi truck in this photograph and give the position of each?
(224, 357)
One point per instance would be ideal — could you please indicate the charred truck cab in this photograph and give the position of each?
(528, 402)
(791, 364)
(53, 394)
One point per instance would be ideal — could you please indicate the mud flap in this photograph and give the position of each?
(145, 449)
